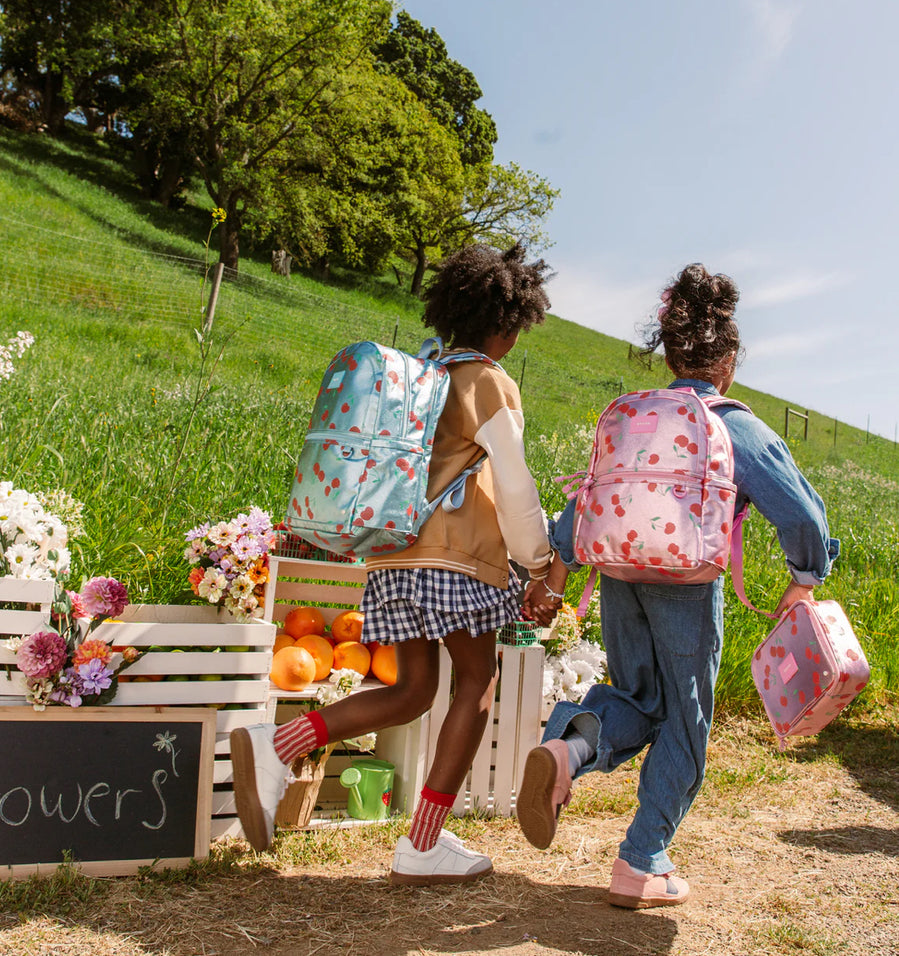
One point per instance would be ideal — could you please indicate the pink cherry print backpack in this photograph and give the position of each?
(361, 480)
(657, 501)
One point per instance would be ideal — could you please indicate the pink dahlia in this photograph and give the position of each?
(103, 597)
(41, 654)
(77, 607)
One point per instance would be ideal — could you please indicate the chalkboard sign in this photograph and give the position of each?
(115, 788)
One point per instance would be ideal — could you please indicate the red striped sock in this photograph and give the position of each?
(430, 815)
(300, 736)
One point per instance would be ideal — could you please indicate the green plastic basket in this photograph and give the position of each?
(519, 633)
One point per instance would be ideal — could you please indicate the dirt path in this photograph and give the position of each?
(785, 854)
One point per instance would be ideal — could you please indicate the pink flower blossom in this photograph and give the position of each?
(77, 607)
(104, 597)
(41, 654)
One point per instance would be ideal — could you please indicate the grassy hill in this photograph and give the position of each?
(110, 404)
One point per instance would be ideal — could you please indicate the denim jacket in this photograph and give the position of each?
(767, 478)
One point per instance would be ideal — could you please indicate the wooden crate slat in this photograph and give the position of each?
(22, 622)
(25, 591)
(508, 712)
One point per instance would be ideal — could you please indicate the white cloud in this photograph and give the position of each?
(774, 21)
(599, 302)
(793, 346)
(790, 288)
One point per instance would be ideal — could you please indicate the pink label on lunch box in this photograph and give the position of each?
(788, 669)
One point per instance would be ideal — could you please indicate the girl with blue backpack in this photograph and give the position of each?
(663, 641)
(454, 583)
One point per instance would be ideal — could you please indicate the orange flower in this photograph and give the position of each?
(88, 650)
(195, 577)
(258, 571)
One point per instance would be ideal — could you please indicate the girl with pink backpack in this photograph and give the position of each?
(663, 640)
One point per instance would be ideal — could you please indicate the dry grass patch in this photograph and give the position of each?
(787, 853)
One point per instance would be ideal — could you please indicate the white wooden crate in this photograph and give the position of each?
(514, 724)
(186, 669)
(334, 587)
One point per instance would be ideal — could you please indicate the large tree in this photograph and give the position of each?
(496, 204)
(418, 56)
(248, 80)
(367, 171)
(61, 54)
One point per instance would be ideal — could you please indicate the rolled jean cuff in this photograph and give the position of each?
(561, 543)
(567, 716)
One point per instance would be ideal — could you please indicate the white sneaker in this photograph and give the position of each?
(448, 861)
(260, 779)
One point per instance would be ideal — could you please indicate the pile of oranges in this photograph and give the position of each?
(306, 650)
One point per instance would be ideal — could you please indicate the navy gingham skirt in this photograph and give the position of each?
(403, 603)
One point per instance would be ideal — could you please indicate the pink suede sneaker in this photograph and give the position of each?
(545, 790)
(638, 891)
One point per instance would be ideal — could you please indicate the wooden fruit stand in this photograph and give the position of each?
(513, 727)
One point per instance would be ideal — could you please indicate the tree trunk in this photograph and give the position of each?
(421, 263)
(53, 107)
(169, 179)
(281, 260)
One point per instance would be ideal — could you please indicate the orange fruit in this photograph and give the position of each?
(322, 653)
(293, 668)
(304, 620)
(347, 626)
(282, 640)
(383, 663)
(353, 655)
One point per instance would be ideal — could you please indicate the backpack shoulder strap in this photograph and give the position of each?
(467, 356)
(435, 344)
(736, 563)
(714, 401)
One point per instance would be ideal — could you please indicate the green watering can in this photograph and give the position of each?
(370, 785)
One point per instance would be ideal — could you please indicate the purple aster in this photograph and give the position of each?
(41, 654)
(199, 532)
(104, 597)
(65, 692)
(259, 521)
(92, 677)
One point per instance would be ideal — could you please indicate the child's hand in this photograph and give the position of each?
(538, 605)
(794, 592)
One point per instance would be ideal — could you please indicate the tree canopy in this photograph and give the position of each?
(320, 126)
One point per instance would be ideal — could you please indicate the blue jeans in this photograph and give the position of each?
(663, 648)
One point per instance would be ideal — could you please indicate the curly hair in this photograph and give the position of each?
(480, 291)
(695, 324)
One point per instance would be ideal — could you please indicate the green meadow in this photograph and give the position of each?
(118, 404)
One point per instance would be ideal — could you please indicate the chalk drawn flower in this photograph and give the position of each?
(166, 742)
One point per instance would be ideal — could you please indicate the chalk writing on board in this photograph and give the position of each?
(101, 789)
(18, 803)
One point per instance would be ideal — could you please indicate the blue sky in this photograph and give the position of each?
(756, 136)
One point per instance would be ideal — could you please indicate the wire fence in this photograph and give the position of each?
(45, 268)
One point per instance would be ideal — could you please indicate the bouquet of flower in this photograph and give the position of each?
(63, 664)
(231, 559)
(568, 676)
(32, 540)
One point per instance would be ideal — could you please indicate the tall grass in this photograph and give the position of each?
(111, 287)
